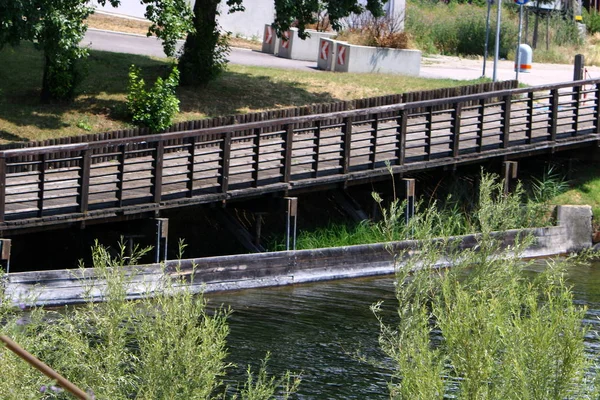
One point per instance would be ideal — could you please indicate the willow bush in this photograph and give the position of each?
(482, 329)
(166, 347)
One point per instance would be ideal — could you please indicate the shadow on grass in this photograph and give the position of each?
(11, 137)
(102, 93)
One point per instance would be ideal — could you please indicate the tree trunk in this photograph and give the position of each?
(204, 56)
(46, 96)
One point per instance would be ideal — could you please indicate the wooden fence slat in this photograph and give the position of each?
(225, 161)
(553, 113)
(157, 171)
(84, 180)
(288, 139)
(2, 188)
(456, 121)
(506, 112)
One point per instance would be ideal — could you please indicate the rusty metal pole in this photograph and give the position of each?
(43, 368)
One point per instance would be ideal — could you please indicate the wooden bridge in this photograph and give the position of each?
(129, 177)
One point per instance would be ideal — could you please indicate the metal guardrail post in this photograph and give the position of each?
(43, 368)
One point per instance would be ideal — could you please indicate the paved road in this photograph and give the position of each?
(151, 46)
(431, 67)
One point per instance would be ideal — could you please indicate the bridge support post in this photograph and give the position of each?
(162, 234)
(509, 172)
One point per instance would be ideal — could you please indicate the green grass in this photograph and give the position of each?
(451, 217)
(584, 189)
(100, 105)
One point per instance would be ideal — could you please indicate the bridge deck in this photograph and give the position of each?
(58, 184)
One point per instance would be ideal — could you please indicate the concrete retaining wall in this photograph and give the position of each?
(573, 233)
(298, 49)
(352, 58)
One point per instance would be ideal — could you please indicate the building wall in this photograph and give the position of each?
(249, 23)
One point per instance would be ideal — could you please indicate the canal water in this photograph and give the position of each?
(324, 330)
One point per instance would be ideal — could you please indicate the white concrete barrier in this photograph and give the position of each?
(327, 53)
(270, 40)
(352, 58)
(298, 49)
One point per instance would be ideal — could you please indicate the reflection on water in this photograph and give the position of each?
(319, 328)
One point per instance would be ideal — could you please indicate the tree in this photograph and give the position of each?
(56, 27)
(205, 50)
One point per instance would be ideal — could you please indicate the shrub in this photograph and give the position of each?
(591, 21)
(154, 108)
(366, 30)
(166, 347)
(482, 330)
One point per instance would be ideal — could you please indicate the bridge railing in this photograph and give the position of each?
(84, 180)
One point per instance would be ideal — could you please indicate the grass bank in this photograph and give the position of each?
(100, 104)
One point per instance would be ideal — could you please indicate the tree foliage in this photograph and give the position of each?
(56, 27)
(205, 50)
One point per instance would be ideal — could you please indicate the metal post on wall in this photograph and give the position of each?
(409, 212)
(5, 245)
(162, 233)
(291, 213)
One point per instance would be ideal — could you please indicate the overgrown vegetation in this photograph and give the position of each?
(481, 329)
(520, 208)
(435, 29)
(168, 347)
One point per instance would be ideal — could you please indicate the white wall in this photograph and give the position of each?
(249, 23)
